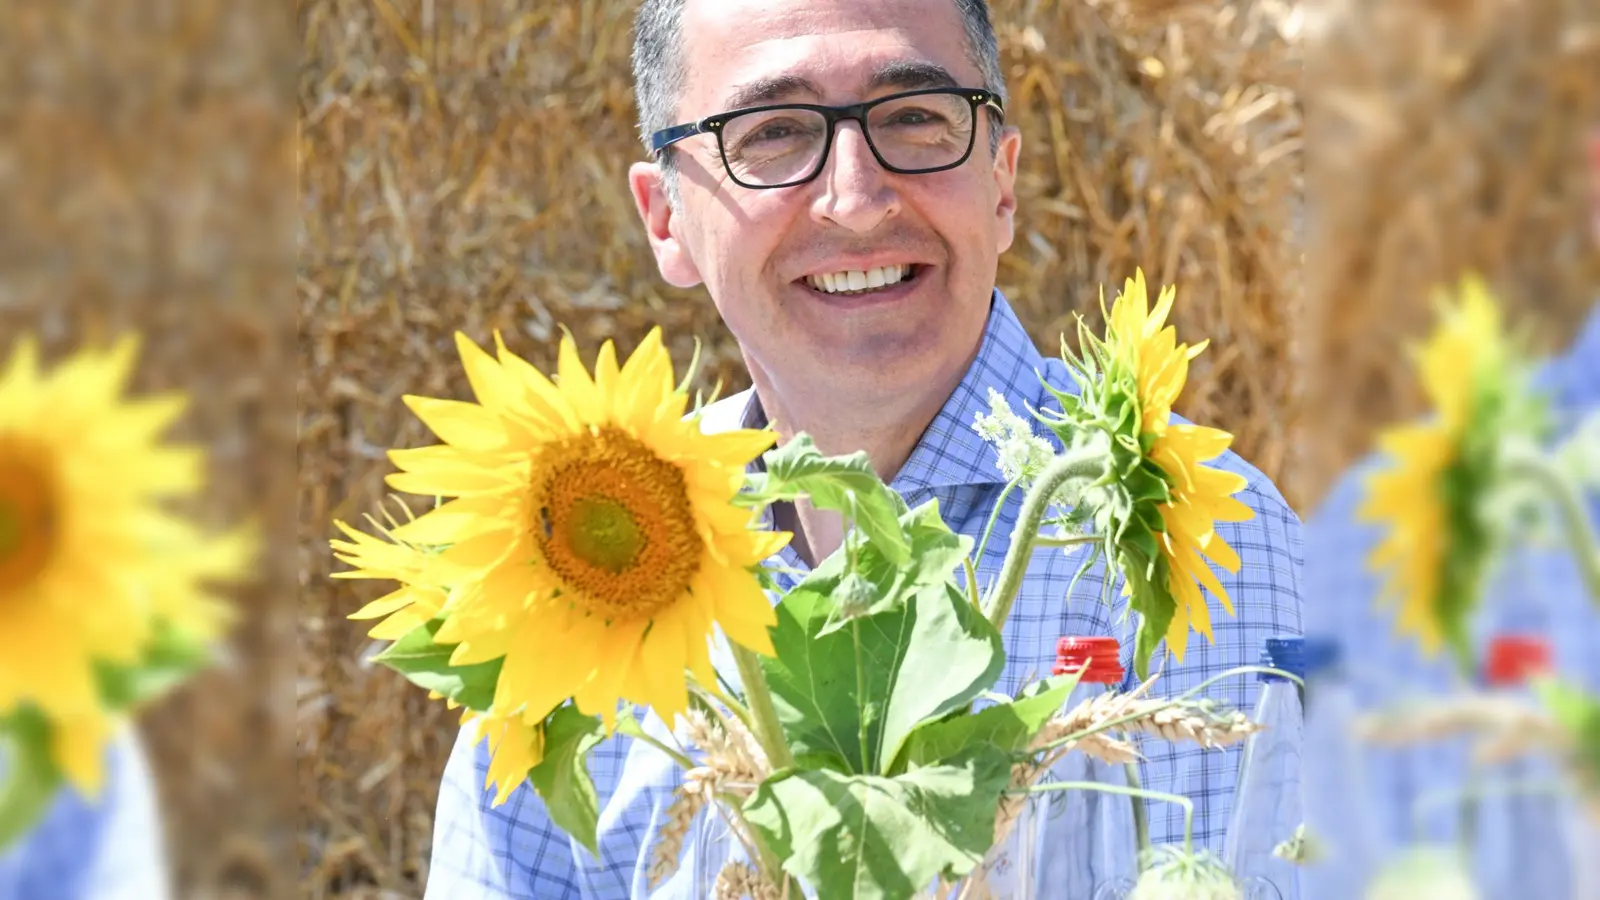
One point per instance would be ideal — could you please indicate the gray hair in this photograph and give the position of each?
(659, 68)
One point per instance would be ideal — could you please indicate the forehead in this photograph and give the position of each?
(835, 45)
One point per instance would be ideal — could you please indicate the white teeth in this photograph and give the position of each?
(857, 280)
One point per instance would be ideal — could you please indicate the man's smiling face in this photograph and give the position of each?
(769, 257)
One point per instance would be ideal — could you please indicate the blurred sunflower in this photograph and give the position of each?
(93, 566)
(1159, 505)
(1437, 547)
(593, 544)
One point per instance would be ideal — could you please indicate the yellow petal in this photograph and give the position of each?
(460, 424)
(483, 373)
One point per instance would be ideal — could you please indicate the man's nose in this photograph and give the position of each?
(857, 193)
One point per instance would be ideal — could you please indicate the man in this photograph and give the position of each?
(1537, 591)
(856, 269)
(109, 848)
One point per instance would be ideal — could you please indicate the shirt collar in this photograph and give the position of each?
(950, 452)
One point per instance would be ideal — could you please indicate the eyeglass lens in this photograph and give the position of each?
(777, 146)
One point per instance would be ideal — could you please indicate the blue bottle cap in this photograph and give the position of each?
(1285, 654)
(1320, 654)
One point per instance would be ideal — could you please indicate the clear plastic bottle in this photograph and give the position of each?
(1339, 798)
(1267, 806)
(1084, 843)
(1525, 821)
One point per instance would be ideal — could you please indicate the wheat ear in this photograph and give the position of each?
(739, 880)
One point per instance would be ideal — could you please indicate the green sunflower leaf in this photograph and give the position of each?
(1152, 601)
(849, 705)
(866, 837)
(426, 663)
(877, 583)
(562, 777)
(1008, 726)
(845, 484)
(29, 778)
(169, 659)
(1578, 714)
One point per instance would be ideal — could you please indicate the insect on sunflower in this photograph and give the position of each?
(592, 544)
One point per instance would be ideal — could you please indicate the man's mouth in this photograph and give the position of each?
(858, 281)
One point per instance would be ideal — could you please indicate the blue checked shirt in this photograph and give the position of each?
(108, 849)
(515, 853)
(1537, 590)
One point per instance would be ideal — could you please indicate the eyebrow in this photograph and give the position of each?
(903, 75)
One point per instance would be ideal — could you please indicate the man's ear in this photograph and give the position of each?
(661, 225)
(1006, 155)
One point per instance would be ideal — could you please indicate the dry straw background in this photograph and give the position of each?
(146, 170)
(442, 188)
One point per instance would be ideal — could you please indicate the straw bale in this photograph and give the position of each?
(462, 168)
(1446, 137)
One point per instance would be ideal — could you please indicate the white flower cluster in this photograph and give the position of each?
(1023, 454)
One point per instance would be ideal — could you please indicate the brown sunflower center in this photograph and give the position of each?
(27, 515)
(616, 525)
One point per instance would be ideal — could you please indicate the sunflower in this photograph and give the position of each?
(1436, 547)
(515, 746)
(1157, 507)
(1198, 497)
(592, 544)
(417, 600)
(92, 563)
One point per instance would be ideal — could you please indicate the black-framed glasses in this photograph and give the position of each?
(911, 133)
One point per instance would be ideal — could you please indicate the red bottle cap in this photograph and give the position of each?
(1098, 657)
(1513, 658)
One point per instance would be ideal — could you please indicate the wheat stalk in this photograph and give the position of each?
(1506, 727)
(687, 802)
(739, 880)
(1195, 721)
(730, 750)
(733, 765)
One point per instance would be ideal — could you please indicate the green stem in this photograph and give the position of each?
(1069, 541)
(1185, 802)
(867, 764)
(1082, 464)
(994, 515)
(709, 692)
(732, 806)
(632, 728)
(763, 715)
(1141, 816)
(1535, 467)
